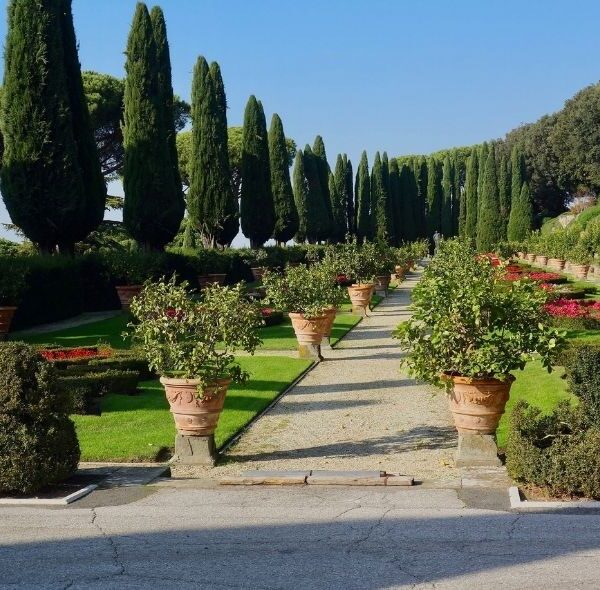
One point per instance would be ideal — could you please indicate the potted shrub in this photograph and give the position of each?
(470, 330)
(190, 343)
(12, 283)
(306, 294)
(579, 259)
(384, 265)
(129, 270)
(258, 263)
(359, 263)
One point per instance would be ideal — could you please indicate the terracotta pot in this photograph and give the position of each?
(521, 255)
(579, 271)
(126, 293)
(203, 280)
(6, 316)
(541, 260)
(218, 278)
(308, 330)
(556, 264)
(329, 319)
(400, 272)
(530, 257)
(258, 272)
(382, 283)
(195, 415)
(478, 404)
(360, 295)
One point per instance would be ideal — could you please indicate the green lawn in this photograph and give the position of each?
(140, 428)
(110, 332)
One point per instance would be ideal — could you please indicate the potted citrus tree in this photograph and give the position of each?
(12, 283)
(128, 271)
(384, 265)
(190, 343)
(470, 330)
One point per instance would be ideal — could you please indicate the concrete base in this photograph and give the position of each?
(195, 450)
(477, 450)
(359, 310)
(381, 292)
(325, 344)
(310, 351)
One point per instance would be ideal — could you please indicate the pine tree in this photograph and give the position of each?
(339, 196)
(42, 184)
(94, 187)
(349, 197)
(447, 188)
(517, 166)
(154, 205)
(396, 199)
(434, 197)
(230, 224)
(362, 189)
(318, 225)
(256, 204)
(471, 195)
(504, 193)
(210, 184)
(489, 231)
(286, 215)
(323, 169)
(300, 196)
(520, 222)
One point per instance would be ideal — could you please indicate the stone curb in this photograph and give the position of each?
(68, 499)
(319, 477)
(517, 503)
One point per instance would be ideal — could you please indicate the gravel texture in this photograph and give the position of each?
(354, 411)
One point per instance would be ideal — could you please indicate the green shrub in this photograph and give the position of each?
(38, 444)
(583, 374)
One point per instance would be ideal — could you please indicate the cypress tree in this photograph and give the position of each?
(396, 199)
(300, 196)
(471, 182)
(447, 188)
(286, 215)
(323, 170)
(481, 159)
(154, 205)
(457, 193)
(349, 197)
(489, 230)
(362, 189)
(388, 206)
(517, 166)
(420, 173)
(520, 222)
(339, 196)
(256, 203)
(434, 197)
(94, 187)
(504, 193)
(410, 190)
(318, 225)
(380, 226)
(230, 224)
(42, 184)
(210, 183)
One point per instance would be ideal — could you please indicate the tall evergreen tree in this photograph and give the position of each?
(256, 204)
(230, 224)
(481, 159)
(489, 231)
(381, 228)
(362, 189)
(318, 224)
(447, 188)
(349, 197)
(520, 222)
(421, 175)
(457, 192)
(154, 205)
(517, 167)
(396, 199)
(339, 196)
(388, 206)
(94, 187)
(300, 196)
(504, 190)
(210, 184)
(323, 169)
(42, 184)
(434, 197)
(471, 195)
(286, 215)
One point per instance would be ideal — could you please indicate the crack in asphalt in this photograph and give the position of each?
(113, 546)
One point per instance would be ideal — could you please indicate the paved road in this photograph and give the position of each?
(309, 538)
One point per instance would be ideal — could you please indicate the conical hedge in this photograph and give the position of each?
(489, 228)
(520, 222)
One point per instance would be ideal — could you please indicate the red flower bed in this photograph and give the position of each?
(61, 354)
(544, 277)
(573, 308)
(267, 312)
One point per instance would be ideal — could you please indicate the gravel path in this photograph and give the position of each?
(354, 411)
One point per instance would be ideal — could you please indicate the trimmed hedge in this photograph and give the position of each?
(38, 444)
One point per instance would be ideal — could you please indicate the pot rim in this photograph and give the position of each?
(224, 381)
(295, 314)
(129, 286)
(8, 308)
(448, 376)
(361, 285)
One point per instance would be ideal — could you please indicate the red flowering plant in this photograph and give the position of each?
(81, 352)
(574, 313)
(538, 277)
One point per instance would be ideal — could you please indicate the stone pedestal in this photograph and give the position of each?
(325, 344)
(310, 351)
(360, 310)
(477, 450)
(195, 450)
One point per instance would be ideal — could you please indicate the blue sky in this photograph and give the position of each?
(396, 75)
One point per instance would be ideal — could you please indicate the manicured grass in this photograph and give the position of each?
(110, 332)
(141, 428)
